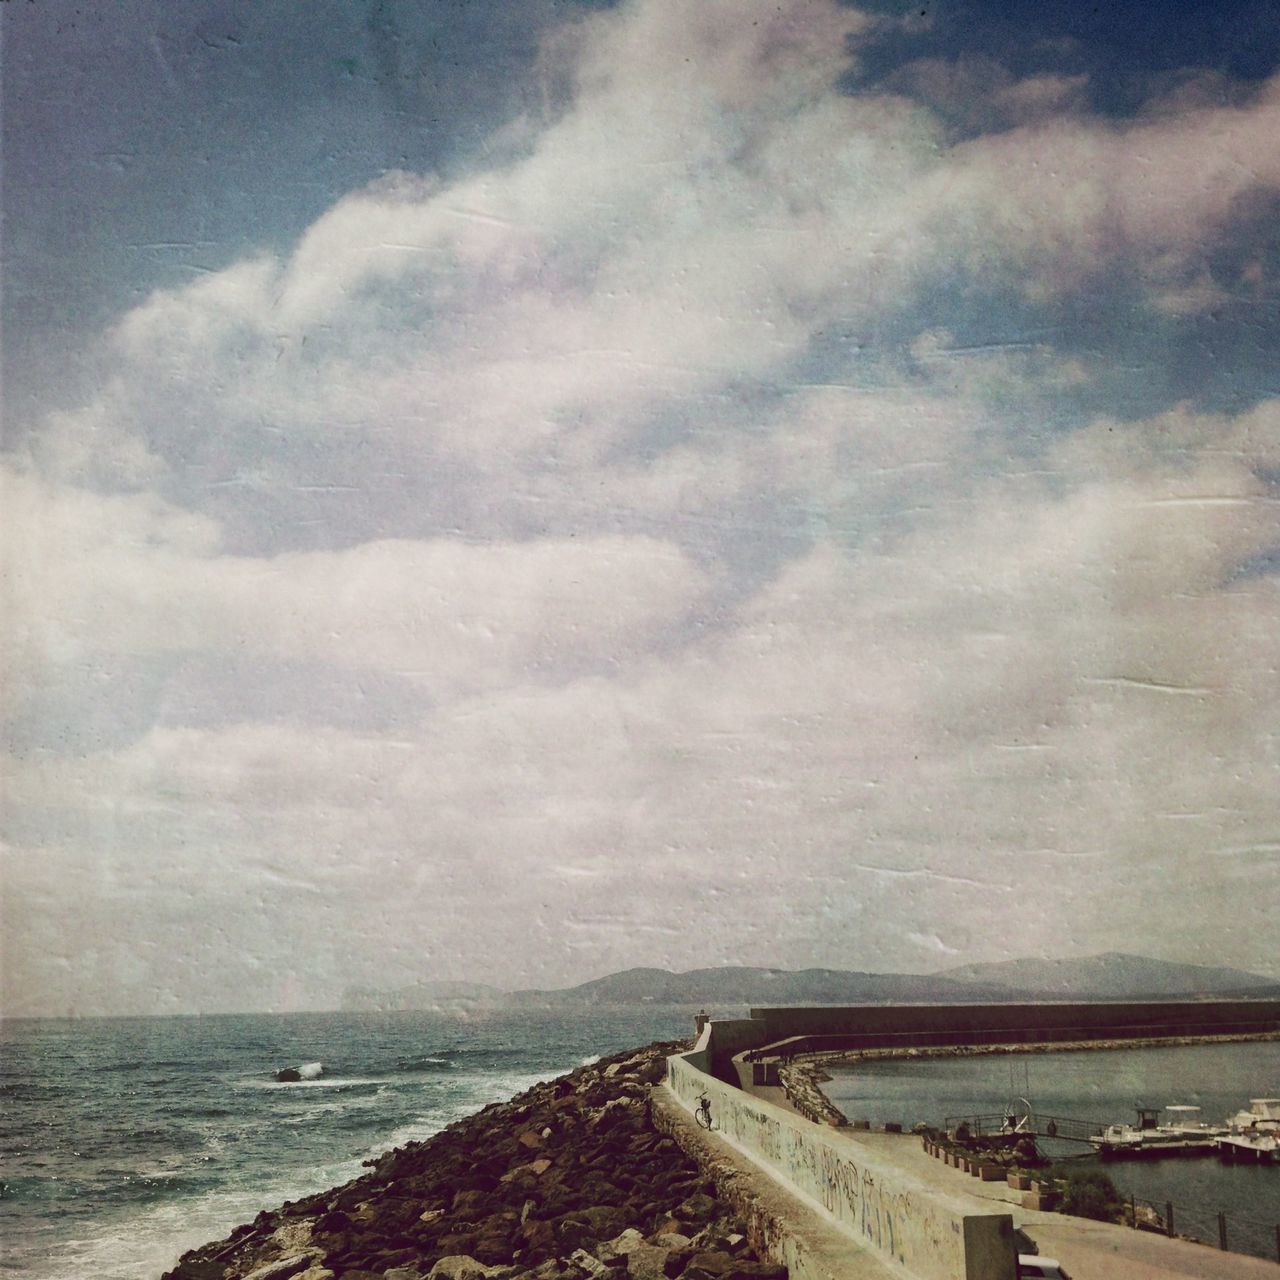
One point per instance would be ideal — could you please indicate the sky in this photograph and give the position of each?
(514, 492)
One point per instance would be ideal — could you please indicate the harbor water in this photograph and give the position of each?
(1104, 1086)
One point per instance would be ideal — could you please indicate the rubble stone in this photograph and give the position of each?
(569, 1181)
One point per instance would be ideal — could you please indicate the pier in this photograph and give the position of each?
(897, 1210)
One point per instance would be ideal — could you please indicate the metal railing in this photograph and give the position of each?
(1231, 1231)
(1034, 1124)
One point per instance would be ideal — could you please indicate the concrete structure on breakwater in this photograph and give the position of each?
(886, 1210)
(832, 1029)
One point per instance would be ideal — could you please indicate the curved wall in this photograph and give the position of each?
(901, 1221)
(870, 1026)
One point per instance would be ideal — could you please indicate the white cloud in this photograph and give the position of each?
(89, 575)
(685, 610)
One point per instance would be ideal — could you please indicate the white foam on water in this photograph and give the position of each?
(150, 1242)
(460, 1105)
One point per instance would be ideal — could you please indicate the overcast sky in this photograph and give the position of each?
(516, 491)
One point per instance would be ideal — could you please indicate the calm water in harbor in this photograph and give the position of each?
(126, 1141)
(1104, 1086)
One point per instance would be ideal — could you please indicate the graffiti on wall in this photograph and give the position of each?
(900, 1221)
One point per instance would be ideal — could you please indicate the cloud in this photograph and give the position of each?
(94, 575)
(630, 511)
(1057, 671)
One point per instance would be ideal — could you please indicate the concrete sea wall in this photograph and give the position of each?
(901, 1221)
(886, 1026)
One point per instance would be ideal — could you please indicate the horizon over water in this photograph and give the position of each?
(127, 1140)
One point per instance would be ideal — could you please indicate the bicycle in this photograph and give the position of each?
(703, 1112)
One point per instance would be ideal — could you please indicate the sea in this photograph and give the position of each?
(1106, 1087)
(125, 1141)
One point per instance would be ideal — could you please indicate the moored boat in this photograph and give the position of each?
(1263, 1116)
(1249, 1148)
(1254, 1136)
(1182, 1134)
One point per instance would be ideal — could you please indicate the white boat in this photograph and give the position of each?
(1254, 1135)
(1183, 1133)
(1263, 1116)
(1249, 1148)
(1186, 1121)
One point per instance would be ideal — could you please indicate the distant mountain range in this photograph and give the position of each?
(1106, 977)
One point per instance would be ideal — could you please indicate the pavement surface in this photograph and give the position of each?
(811, 1245)
(1087, 1250)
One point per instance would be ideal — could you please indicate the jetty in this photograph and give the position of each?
(720, 1159)
(895, 1203)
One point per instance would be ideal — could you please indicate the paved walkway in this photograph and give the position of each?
(801, 1234)
(1087, 1250)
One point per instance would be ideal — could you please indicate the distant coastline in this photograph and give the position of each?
(1111, 976)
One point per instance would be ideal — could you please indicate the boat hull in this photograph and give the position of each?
(1156, 1150)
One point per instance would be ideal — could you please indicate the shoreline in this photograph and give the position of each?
(570, 1180)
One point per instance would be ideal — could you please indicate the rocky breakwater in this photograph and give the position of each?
(802, 1083)
(568, 1180)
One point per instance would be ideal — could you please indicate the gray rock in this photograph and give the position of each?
(282, 1268)
(647, 1262)
(462, 1266)
(670, 1240)
(630, 1239)
(592, 1266)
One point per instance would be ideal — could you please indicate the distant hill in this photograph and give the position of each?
(1107, 977)
(739, 984)
(1113, 975)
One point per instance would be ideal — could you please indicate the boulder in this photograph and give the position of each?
(292, 1237)
(699, 1207)
(709, 1264)
(197, 1269)
(647, 1262)
(624, 1243)
(471, 1205)
(590, 1265)
(670, 1240)
(282, 1268)
(462, 1267)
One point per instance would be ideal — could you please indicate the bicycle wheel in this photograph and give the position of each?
(703, 1118)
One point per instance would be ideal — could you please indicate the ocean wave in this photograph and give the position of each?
(428, 1124)
(145, 1064)
(174, 1218)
